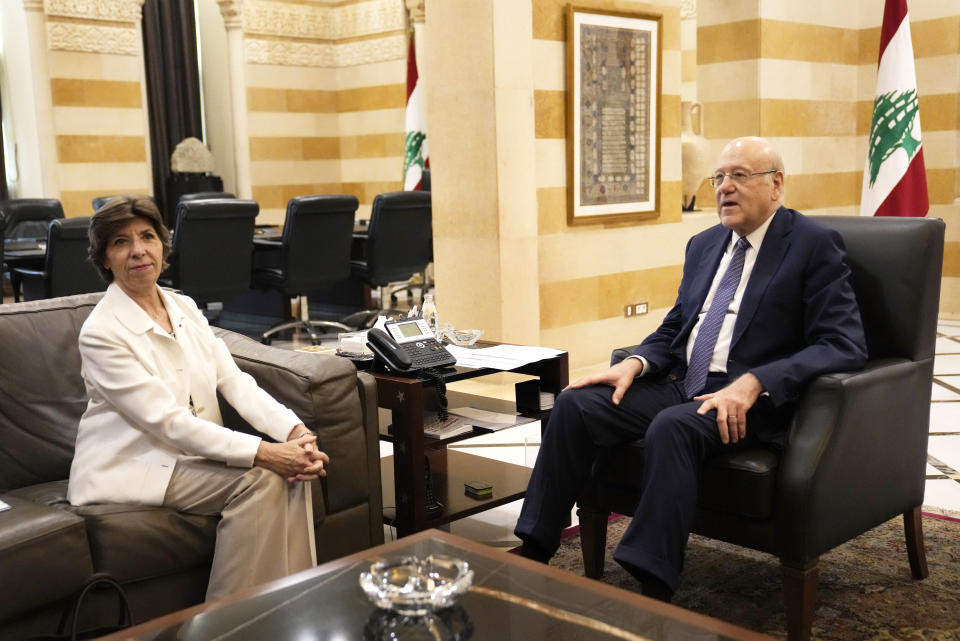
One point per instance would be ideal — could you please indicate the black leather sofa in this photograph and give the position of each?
(48, 549)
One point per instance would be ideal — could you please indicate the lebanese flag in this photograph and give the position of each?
(416, 153)
(894, 179)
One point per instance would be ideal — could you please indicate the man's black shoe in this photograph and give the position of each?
(656, 589)
(650, 586)
(530, 550)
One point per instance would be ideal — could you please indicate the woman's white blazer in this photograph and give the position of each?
(140, 381)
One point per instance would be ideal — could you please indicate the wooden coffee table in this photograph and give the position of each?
(511, 598)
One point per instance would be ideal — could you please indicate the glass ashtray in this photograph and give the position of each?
(414, 586)
(461, 337)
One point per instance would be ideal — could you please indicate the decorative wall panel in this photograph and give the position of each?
(311, 54)
(68, 36)
(112, 10)
(323, 23)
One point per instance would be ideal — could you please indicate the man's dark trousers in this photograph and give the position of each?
(676, 442)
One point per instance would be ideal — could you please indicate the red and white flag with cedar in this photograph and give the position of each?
(894, 179)
(416, 154)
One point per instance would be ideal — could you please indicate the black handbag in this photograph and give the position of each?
(70, 620)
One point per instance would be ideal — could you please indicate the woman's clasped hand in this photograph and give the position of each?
(297, 459)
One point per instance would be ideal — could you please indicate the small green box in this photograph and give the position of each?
(478, 489)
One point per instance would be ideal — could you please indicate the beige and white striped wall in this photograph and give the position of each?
(803, 74)
(325, 89)
(589, 272)
(98, 97)
(325, 99)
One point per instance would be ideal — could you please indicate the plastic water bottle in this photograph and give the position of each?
(430, 315)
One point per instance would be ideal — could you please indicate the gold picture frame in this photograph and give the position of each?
(614, 72)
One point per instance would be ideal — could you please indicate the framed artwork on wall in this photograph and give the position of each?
(613, 115)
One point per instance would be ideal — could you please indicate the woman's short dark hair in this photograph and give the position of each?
(114, 215)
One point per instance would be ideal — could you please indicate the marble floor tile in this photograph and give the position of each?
(942, 497)
(947, 345)
(945, 417)
(945, 449)
(941, 393)
(946, 365)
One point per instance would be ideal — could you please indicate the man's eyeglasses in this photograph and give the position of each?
(738, 177)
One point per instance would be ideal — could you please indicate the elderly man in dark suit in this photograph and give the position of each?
(764, 306)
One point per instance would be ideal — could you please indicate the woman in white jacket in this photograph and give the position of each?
(152, 433)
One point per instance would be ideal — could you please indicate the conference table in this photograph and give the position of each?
(23, 253)
(273, 233)
(29, 253)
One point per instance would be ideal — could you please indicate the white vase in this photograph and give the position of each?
(695, 151)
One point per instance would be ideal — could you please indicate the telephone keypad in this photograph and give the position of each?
(427, 354)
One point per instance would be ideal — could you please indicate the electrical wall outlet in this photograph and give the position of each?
(634, 309)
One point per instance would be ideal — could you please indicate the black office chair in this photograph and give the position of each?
(314, 252)
(100, 201)
(67, 270)
(212, 249)
(206, 195)
(27, 219)
(399, 241)
(857, 445)
(417, 281)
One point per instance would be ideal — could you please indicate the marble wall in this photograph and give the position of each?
(88, 100)
(804, 76)
(320, 106)
(589, 273)
(325, 98)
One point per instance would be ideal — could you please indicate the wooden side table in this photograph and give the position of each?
(403, 474)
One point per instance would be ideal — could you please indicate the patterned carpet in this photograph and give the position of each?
(865, 589)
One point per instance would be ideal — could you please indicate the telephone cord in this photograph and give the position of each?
(440, 386)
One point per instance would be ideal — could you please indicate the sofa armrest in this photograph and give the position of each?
(327, 394)
(856, 454)
(44, 556)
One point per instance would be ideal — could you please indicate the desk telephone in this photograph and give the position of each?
(408, 345)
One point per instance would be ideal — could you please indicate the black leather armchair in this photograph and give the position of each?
(857, 445)
(212, 249)
(66, 270)
(314, 252)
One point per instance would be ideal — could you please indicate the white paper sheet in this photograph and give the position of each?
(501, 357)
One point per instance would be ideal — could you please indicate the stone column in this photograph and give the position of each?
(232, 12)
(481, 115)
(42, 98)
(417, 15)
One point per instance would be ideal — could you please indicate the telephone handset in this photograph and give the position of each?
(408, 345)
